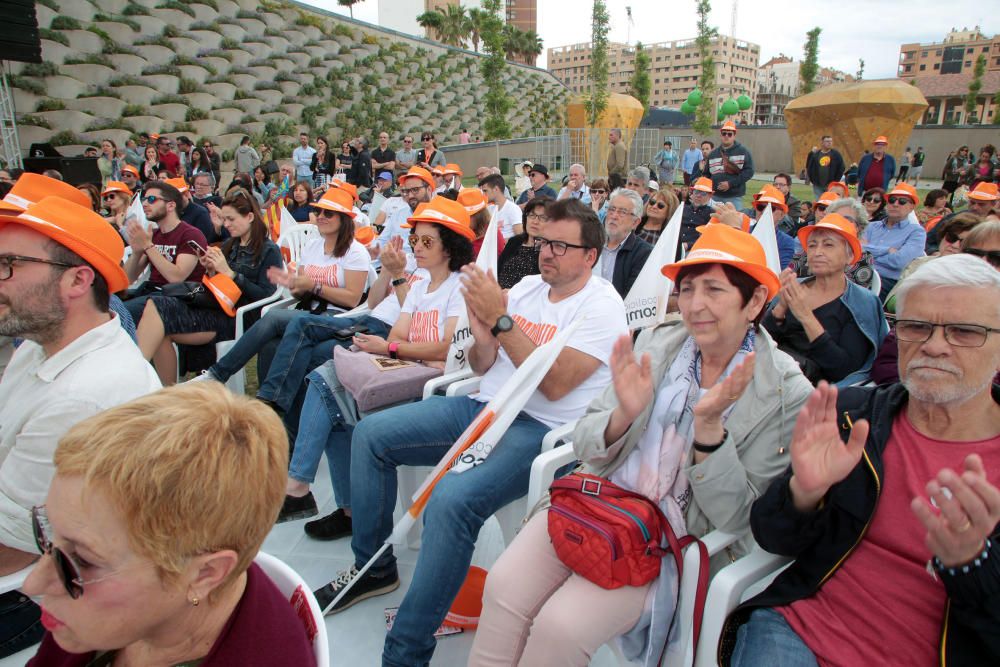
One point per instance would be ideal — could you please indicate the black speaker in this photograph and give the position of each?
(74, 170)
(19, 39)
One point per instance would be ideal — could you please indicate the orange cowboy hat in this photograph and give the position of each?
(472, 199)
(771, 195)
(130, 169)
(32, 188)
(721, 244)
(437, 171)
(452, 169)
(117, 186)
(445, 212)
(840, 225)
(845, 190)
(421, 173)
(79, 229)
(827, 198)
(347, 187)
(880, 139)
(745, 223)
(468, 604)
(178, 183)
(905, 190)
(703, 184)
(364, 235)
(336, 199)
(728, 126)
(225, 291)
(984, 192)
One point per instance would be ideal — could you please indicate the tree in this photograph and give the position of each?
(809, 68)
(640, 85)
(971, 100)
(705, 115)
(861, 69)
(597, 102)
(533, 46)
(349, 4)
(492, 67)
(477, 17)
(450, 26)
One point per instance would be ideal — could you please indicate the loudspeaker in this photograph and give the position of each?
(19, 39)
(74, 170)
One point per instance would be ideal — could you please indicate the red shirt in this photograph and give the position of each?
(171, 162)
(173, 243)
(882, 607)
(875, 176)
(478, 243)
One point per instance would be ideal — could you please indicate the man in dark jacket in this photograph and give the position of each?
(697, 212)
(730, 166)
(361, 168)
(824, 166)
(895, 535)
(623, 254)
(877, 168)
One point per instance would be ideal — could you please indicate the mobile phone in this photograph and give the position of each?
(349, 332)
(198, 250)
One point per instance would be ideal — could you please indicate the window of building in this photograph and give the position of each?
(923, 54)
(923, 67)
(938, 52)
(968, 63)
(938, 65)
(969, 51)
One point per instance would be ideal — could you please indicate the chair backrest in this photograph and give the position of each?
(876, 285)
(299, 595)
(372, 277)
(295, 238)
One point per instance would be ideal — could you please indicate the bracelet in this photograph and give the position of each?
(963, 569)
(146, 249)
(398, 281)
(317, 287)
(394, 350)
(708, 449)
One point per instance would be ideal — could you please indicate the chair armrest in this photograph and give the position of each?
(715, 542)
(286, 300)
(558, 435)
(543, 471)
(243, 310)
(463, 387)
(363, 309)
(441, 382)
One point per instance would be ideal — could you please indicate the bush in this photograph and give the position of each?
(53, 36)
(132, 9)
(284, 76)
(188, 60)
(246, 14)
(229, 43)
(343, 30)
(49, 104)
(179, 6)
(169, 99)
(40, 69)
(273, 32)
(188, 86)
(183, 127)
(310, 19)
(369, 39)
(134, 110)
(216, 53)
(102, 91)
(65, 138)
(35, 121)
(109, 124)
(90, 59)
(266, 85)
(315, 61)
(344, 50)
(243, 95)
(195, 113)
(208, 3)
(126, 80)
(158, 40)
(65, 23)
(161, 69)
(171, 31)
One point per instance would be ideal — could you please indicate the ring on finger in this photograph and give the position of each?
(964, 527)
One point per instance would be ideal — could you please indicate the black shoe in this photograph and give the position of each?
(329, 527)
(368, 587)
(298, 508)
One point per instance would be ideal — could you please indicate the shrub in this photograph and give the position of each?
(369, 39)
(126, 80)
(310, 19)
(161, 69)
(221, 78)
(179, 6)
(208, 3)
(171, 31)
(195, 113)
(243, 95)
(109, 124)
(62, 22)
(246, 14)
(183, 127)
(188, 86)
(344, 50)
(228, 20)
(113, 48)
(50, 104)
(273, 32)
(229, 43)
(343, 30)
(315, 61)
(132, 9)
(169, 99)
(216, 53)
(134, 110)
(266, 85)
(158, 40)
(65, 138)
(90, 59)
(35, 121)
(53, 36)
(188, 60)
(40, 69)
(102, 91)
(284, 76)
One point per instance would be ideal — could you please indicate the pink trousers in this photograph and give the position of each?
(536, 612)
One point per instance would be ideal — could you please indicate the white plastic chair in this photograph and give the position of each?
(294, 587)
(876, 286)
(295, 239)
(237, 382)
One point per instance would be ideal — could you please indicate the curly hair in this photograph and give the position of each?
(457, 247)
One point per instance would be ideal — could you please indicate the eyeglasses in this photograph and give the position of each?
(728, 134)
(899, 200)
(959, 335)
(407, 141)
(406, 192)
(108, 197)
(326, 213)
(426, 138)
(872, 200)
(151, 199)
(540, 217)
(7, 264)
(991, 256)
(620, 211)
(428, 241)
(762, 207)
(952, 237)
(598, 192)
(67, 568)
(558, 247)
(658, 204)
(819, 207)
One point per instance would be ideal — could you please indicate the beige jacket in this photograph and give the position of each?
(618, 159)
(756, 450)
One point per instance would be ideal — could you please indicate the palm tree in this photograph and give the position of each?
(455, 26)
(432, 20)
(477, 17)
(349, 4)
(532, 48)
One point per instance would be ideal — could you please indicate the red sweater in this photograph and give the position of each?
(262, 632)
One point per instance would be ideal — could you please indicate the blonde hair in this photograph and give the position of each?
(193, 469)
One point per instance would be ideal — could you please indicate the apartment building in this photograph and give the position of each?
(778, 83)
(957, 54)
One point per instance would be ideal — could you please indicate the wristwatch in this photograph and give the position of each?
(398, 281)
(504, 324)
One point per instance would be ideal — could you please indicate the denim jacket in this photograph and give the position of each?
(867, 311)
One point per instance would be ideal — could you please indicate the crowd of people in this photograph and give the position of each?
(844, 413)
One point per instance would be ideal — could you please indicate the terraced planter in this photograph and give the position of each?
(207, 39)
(199, 100)
(170, 112)
(221, 90)
(227, 116)
(97, 106)
(165, 84)
(137, 94)
(126, 63)
(67, 119)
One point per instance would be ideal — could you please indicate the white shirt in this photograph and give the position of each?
(529, 305)
(302, 157)
(328, 269)
(42, 398)
(429, 311)
(396, 212)
(388, 308)
(508, 216)
(583, 194)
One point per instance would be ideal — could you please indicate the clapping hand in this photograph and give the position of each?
(968, 510)
(138, 237)
(716, 401)
(794, 295)
(393, 257)
(728, 215)
(484, 297)
(820, 458)
(633, 380)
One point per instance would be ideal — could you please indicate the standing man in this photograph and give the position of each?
(383, 157)
(509, 217)
(406, 156)
(360, 174)
(624, 254)
(539, 177)
(917, 166)
(689, 161)
(59, 264)
(246, 158)
(730, 166)
(877, 168)
(184, 148)
(302, 158)
(576, 185)
(666, 163)
(824, 166)
(897, 240)
(168, 158)
(617, 160)
(214, 160)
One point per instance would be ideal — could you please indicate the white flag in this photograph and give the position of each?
(135, 212)
(287, 221)
(763, 231)
(646, 302)
(462, 340)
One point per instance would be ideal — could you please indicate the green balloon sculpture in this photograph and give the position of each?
(694, 97)
(730, 107)
(721, 116)
(687, 109)
(744, 102)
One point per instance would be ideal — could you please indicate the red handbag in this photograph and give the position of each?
(612, 537)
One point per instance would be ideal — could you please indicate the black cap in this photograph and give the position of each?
(540, 168)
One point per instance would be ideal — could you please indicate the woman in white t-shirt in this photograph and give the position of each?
(442, 245)
(331, 274)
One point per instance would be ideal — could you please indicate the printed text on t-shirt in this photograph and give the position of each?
(539, 333)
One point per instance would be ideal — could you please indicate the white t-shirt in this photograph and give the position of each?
(396, 212)
(508, 216)
(528, 304)
(430, 310)
(388, 308)
(328, 269)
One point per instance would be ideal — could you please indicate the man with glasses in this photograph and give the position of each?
(730, 166)
(624, 254)
(168, 251)
(509, 219)
(59, 264)
(894, 534)
(897, 240)
(824, 166)
(130, 177)
(214, 160)
(168, 158)
(416, 186)
(538, 174)
(506, 330)
(204, 187)
(576, 185)
(783, 182)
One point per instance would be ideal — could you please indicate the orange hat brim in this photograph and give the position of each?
(761, 274)
(855, 244)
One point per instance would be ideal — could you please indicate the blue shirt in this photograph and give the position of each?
(544, 191)
(907, 237)
(690, 158)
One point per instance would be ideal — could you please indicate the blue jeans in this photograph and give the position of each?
(818, 190)
(322, 429)
(419, 434)
(307, 342)
(767, 639)
(265, 330)
(720, 198)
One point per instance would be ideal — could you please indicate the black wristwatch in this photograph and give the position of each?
(398, 281)
(504, 324)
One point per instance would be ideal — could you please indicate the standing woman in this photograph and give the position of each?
(520, 257)
(659, 208)
(344, 160)
(982, 170)
(151, 166)
(429, 156)
(324, 163)
(200, 163)
(300, 205)
(109, 163)
(116, 198)
(954, 170)
(244, 259)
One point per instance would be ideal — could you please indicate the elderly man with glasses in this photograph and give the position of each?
(897, 240)
(624, 254)
(894, 534)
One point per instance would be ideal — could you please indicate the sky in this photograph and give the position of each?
(852, 29)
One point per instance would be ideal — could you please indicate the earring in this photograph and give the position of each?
(195, 601)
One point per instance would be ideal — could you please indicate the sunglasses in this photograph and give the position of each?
(991, 256)
(951, 237)
(109, 197)
(899, 200)
(151, 199)
(326, 213)
(598, 192)
(428, 241)
(67, 568)
(729, 134)
(658, 204)
(872, 200)
(819, 207)
(763, 207)
(407, 141)
(426, 138)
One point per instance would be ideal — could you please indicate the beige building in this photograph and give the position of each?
(675, 68)
(522, 14)
(957, 54)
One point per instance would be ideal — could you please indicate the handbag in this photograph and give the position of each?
(612, 537)
(374, 386)
(192, 293)
(270, 168)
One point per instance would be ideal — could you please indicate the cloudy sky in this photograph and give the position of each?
(852, 29)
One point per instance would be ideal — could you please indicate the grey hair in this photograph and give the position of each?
(617, 131)
(204, 174)
(577, 164)
(860, 214)
(632, 196)
(960, 270)
(641, 173)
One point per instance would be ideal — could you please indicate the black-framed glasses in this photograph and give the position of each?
(428, 241)
(67, 568)
(109, 197)
(7, 264)
(407, 141)
(763, 207)
(406, 192)
(951, 237)
(819, 207)
(728, 134)
(957, 334)
(899, 200)
(991, 256)
(540, 217)
(326, 213)
(558, 248)
(873, 200)
(598, 191)
(426, 138)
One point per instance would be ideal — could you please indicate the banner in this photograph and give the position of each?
(646, 302)
(763, 231)
(462, 340)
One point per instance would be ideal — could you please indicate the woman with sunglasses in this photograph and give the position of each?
(422, 334)
(300, 205)
(145, 560)
(659, 208)
(599, 198)
(874, 202)
(246, 258)
(344, 160)
(519, 257)
(116, 198)
(429, 156)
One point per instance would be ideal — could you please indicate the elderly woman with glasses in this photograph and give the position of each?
(519, 257)
(146, 559)
(862, 272)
